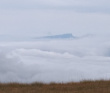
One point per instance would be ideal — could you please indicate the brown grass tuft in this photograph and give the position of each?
(81, 87)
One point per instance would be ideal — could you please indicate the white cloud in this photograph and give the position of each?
(55, 60)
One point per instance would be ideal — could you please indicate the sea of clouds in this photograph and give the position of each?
(57, 60)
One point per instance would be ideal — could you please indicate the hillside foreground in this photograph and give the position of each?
(81, 87)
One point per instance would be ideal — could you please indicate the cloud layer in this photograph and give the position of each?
(55, 60)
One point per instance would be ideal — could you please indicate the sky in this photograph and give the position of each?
(26, 59)
(50, 17)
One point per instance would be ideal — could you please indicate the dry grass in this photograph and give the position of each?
(82, 87)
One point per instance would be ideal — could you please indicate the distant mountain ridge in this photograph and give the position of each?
(61, 36)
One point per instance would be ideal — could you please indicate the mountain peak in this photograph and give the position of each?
(60, 36)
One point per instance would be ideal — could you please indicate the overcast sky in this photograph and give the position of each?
(49, 17)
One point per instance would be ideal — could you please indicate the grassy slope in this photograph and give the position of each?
(82, 87)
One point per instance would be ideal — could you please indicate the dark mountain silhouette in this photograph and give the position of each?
(61, 36)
